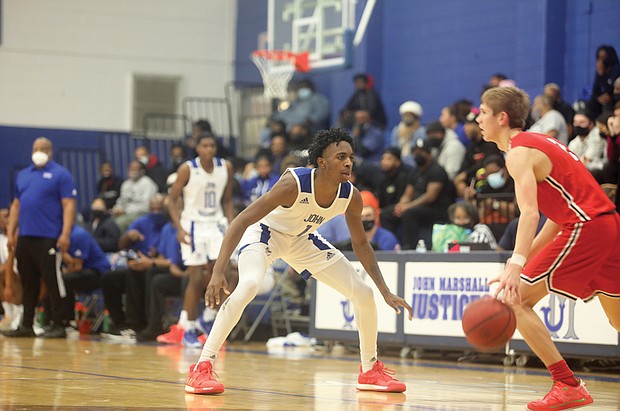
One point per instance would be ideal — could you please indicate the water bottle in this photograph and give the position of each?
(106, 321)
(421, 247)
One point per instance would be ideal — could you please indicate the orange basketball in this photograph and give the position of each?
(488, 323)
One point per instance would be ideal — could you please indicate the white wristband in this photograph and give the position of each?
(518, 259)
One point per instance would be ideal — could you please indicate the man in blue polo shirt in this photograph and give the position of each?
(42, 212)
(83, 265)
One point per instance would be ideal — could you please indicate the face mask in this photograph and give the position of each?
(177, 161)
(536, 115)
(603, 135)
(106, 175)
(98, 214)
(420, 160)
(496, 180)
(581, 131)
(434, 142)
(39, 158)
(408, 121)
(134, 175)
(297, 138)
(144, 160)
(368, 224)
(304, 93)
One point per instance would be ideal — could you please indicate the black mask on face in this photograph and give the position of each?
(368, 224)
(420, 160)
(581, 131)
(434, 142)
(98, 214)
(603, 135)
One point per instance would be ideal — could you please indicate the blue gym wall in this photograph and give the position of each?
(437, 52)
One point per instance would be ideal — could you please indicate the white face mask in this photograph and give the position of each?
(39, 158)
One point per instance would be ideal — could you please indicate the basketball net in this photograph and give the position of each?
(276, 68)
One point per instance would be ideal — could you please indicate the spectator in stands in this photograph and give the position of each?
(368, 138)
(335, 230)
(136, 193)
(102, 226)
(163, 279)
(616, 91)
(495, 195)
(109, 185)
(475, 154)
(42, 214)
(153, 168)
(613, 125)
(272, 128)
(464, 214)
(83, 265)
(447, 148)
(496, 78)
(508, 239)
(140, 242)
(425, 201)
(394, 178)
(279, 149)
(449, 120)
(300, 137)
(10, 284)
(548, 120)
(588, 144)
(553, 90)
(263, 181)
(607, 71)
(365, 98)
(308, 107)
(177, 157)
(408, 131)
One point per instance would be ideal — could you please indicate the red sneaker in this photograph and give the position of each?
(562, 397)
(203, 380)
(174, 336)
(379, 379)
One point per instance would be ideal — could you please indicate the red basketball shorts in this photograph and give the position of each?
(581, 261)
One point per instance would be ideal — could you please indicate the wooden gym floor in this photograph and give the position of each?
(89, 374)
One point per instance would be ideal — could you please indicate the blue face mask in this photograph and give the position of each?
(496, 180)
(159, 219)
(304, 93)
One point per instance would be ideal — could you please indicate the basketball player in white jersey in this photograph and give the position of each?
(282, 224)
(206, 185)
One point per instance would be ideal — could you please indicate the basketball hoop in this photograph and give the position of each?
(277, 67)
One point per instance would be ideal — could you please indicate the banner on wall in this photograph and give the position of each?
(334, 312)
(439, 291)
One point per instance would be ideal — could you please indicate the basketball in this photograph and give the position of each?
(488, 323)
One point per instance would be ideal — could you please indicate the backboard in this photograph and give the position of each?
(324, 28)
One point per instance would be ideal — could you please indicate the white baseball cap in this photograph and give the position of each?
(411, 107)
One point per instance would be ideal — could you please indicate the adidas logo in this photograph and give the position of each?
(330, 255)
(304, 201)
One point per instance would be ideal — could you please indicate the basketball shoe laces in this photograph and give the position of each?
(381, 369)
(204, 372)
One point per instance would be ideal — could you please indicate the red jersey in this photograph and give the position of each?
(569, 194)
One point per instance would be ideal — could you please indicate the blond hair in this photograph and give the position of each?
(511, 100)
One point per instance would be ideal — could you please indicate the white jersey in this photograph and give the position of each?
(305, 215)
(202, 195)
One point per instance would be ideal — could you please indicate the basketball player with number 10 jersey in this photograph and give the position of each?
(206, 184)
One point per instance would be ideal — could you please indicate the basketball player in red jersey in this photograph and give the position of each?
(574, 255)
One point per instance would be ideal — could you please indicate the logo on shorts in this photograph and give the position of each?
(304, 201)
(330, 255)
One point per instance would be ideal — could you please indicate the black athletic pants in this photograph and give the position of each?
(37, 259)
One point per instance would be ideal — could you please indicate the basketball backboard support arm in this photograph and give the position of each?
(323, 28)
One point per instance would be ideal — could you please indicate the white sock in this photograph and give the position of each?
(18, 314)
(190, 325)
(209, 314)
(8, 309)
(183, 319)
(368, 361)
